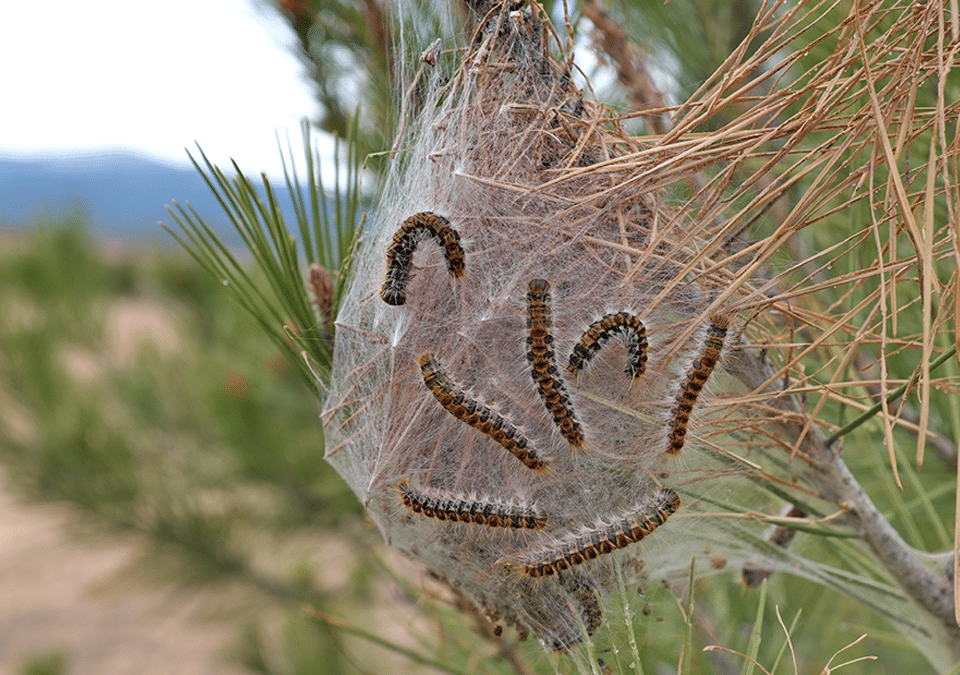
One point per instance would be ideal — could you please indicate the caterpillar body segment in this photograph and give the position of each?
(444, 505)
(540, 355)
(411, 232)
(698, 374)
(627, 324)
(477, 415)
(578, 549)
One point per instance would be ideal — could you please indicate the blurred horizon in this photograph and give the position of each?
(120, 196)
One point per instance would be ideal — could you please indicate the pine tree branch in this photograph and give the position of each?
(631, 70)
(933, 591)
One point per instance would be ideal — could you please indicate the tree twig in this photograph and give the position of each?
(934, 592)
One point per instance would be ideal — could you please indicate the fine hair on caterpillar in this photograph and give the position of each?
(578, 548)
(411, 232)
(541, 357)
(697, 376)
(477, 415)
(444, 505)
(627, 324)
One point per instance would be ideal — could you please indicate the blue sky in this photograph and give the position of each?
(151, 78)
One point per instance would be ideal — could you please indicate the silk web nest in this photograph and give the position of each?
(520, 359)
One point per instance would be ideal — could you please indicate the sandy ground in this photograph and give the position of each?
(65, 590)
(61, 593)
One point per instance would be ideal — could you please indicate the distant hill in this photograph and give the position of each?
(123, 195)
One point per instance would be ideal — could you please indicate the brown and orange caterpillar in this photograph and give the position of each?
(476, 414)
(540, 355)
(443, 505)
(576, 550)
(697, 377)
(625, 323)
(411, 232)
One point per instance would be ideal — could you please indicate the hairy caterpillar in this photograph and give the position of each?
(411, 232)
(576, 550)
(697, 377)
(540, 355)
(443, 505)
(477, 415)
(597, 334)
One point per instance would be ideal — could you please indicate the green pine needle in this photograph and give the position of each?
(276, 293)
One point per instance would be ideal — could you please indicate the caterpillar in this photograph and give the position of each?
(411, 232)
(576, 550)
(443, 505)
(476, 414)
(540, 355)
(597, 334)
(697, 377)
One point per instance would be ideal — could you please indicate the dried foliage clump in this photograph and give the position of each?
(803, 200)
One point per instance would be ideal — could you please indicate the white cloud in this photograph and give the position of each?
(150, 77)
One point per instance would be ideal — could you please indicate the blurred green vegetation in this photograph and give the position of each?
(132, 387)
(50, 663)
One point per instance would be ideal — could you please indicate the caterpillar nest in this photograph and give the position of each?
(523, 346)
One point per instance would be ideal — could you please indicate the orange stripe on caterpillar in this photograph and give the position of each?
(625, 323)
(411, 232)
(476, 414)
(540, 355)
(578, 549)
(443, 505)
(703, 365)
